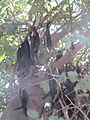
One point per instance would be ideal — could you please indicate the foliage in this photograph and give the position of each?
(84, 83)
(45, 87)
(4, 97)
(55, 118)
(33, 114)
(19, 15)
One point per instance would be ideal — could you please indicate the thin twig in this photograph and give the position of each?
(77, 107)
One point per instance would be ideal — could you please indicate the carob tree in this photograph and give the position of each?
(62, 99)
(63, 96)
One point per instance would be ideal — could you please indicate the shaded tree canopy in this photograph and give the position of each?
(45, 55)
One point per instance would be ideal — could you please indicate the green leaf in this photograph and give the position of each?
(1, 34)
(53, 118)
(62, 78)
(8, 62)
(82, 39)
(2, 58)
(73, 76)
(45, 87)
(11, 28)
(34, 9)
(76, 37)
(3, 66)
(33, 113)
(37, 20)
(61, 118)
(84, 83)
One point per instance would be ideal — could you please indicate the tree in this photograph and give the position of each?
(35, 69)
